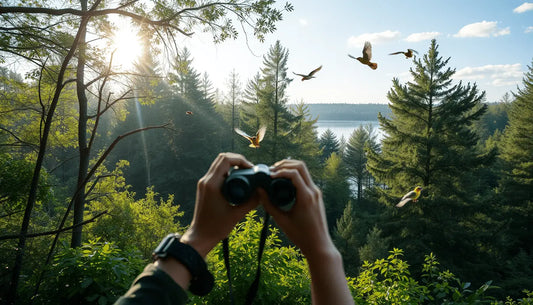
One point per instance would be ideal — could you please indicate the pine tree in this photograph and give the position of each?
(271, 109)
(517, 146)
(345, 239)
(335, 189)
(376, 246)
(355, 157)
(303, 137)
(516, 189)
(429, 142)
(329, 144)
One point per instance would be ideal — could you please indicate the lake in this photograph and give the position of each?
(345, 128)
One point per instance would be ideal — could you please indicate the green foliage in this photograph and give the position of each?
(329, 144)
(96, 273)
(355, 157)
(376, 246)
(266, 106)
(335, 189)
(388, 281)
(346, 241)
(284, 275)
(130, 222)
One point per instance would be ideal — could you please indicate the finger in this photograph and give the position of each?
(225, 161)
(297, 165)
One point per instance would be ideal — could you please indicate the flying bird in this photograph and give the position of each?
(310, 75)
(254, 140)
(407, 54)
(367, 56)
(412, 195)
(188, 112)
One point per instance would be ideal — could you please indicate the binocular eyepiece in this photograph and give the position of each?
(240, 184)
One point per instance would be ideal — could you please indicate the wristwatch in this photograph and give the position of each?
(202, 280)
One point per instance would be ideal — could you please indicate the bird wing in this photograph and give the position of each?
(367, 51)
(412, 51)
(351, 56)
(302, 75)
(242, 133)
(261, 133)
(400, 52)
(409, 195)
(403, 202)
(315, 71)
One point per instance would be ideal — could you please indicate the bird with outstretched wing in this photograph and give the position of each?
(254, 140)
(310, 75)
(367, 56)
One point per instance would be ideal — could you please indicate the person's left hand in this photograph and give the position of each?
(214, 217)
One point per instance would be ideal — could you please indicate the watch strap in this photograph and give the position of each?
(202, 280)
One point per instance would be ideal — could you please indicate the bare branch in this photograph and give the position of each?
(7, 237)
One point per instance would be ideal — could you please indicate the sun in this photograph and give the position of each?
(127, 46)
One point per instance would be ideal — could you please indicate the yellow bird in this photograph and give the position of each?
(407, 54)
(254, 140)
(367, 56)
(310, 75)
(412, 195)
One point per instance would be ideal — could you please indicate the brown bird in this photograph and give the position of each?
(254, 141)
(310, 75)
(188, 112)
(412, 195)
(407, 54)
(367, 56)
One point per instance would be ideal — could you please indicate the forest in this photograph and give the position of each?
(97, 165)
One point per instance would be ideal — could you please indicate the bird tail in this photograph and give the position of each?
(373, 65)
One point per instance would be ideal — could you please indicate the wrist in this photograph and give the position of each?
(202, 245)
(174, 255)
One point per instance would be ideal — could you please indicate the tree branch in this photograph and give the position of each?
(6, 237)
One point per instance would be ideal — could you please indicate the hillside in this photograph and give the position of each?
(348, 112)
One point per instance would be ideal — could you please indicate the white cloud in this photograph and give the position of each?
(524, 8)
(416, 37)
(303, 22)
(374, 38)
(482, 29)
(529, 29)
(496, 75)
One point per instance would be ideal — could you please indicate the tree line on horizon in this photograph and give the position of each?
(142, 154)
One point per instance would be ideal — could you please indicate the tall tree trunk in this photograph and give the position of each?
(17, 268)
(84, 150)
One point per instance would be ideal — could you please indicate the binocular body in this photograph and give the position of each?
(241, 183)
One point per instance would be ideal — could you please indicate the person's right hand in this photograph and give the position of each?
(305, 224)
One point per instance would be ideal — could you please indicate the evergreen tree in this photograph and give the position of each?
(376, 246)
(271, 110)
(355, 157)
(516, 189)
(329, 144)
(429, 142)
(517, 146)
(303, 137)
(335, 189)
(345, 239)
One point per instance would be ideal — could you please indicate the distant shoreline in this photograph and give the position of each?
(348, 112)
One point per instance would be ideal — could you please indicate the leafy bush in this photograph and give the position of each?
(284, 274)
(96, 273)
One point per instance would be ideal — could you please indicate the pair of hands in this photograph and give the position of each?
(214, 218)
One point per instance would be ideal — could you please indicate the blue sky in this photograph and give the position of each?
(489, 42)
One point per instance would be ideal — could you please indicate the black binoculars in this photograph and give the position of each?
(240, 184)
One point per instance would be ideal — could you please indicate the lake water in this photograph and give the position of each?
(345, 128)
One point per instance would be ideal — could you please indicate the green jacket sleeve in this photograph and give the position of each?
(153, 286)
